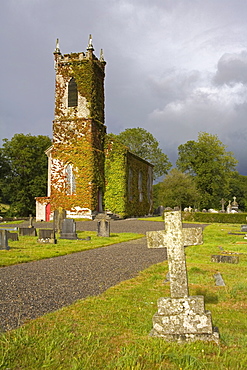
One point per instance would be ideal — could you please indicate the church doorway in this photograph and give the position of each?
(48, 212)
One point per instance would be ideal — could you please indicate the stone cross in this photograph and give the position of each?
(223, 204)
(175, 238)
(180, 317)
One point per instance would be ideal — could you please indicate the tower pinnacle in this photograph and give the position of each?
(90, 43)
(57, 50)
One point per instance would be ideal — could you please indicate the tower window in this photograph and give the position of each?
(72, 93)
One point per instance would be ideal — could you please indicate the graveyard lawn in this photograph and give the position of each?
(28, 249)
(111, 331)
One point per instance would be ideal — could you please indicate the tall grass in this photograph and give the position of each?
(112, 331)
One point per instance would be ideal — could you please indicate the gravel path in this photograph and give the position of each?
(32, 289)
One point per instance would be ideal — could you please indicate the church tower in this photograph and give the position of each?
(76, 158)
(89, 171)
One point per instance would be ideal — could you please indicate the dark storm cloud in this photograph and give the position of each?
(174, 67)
(232, 68)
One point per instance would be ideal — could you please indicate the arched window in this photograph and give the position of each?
(72, 93)
(70, 180)
(140, 186)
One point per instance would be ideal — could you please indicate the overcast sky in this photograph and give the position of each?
(174, 67)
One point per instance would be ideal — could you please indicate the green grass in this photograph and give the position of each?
(7, 223)
(28, 249)
(112, 331)
(158, 218)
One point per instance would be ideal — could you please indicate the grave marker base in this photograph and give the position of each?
(26, 231)
(47, 236)
(13, 236)
(224, 258)
(71, 236)
(183, 320)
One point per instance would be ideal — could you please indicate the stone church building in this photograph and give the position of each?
(89, 171)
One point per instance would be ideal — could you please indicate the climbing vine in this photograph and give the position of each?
(78, 141)
(118, 163)
(98, 162)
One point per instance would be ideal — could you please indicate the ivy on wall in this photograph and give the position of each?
(88, 164)
(118, 162)
(115, 173)
(98, 161)
(79, 141)
(89, 76)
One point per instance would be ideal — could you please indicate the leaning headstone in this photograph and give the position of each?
(13, 236)
(26, 231)
(181, 317)
(58, 216)
(4, 240)
(68, 229)
(219, 279)
(47, 236)
(224, 258)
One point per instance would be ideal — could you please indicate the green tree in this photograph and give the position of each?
(142, 143)
(238, 188)
(211, 166)
(178, 189)
(23, 171)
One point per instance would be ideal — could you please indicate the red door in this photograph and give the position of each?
(48, 212)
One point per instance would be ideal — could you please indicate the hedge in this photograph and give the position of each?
(229, 218)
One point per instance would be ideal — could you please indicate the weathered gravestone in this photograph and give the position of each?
(181, 317)
(47, 236)
(58, 216)
(4, 239)
(103, 225)
(13, 236)
(234, 205)
(222, 202)
(68, 229)
(30, 222)
(223, 258)
(27, 231)
(229, 207)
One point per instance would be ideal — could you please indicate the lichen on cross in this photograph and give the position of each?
(175, 238)
(180, 317)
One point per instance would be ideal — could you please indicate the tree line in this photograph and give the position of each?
(205, 171)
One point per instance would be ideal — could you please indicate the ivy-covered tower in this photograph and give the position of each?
(87, 172)
(77, 154)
